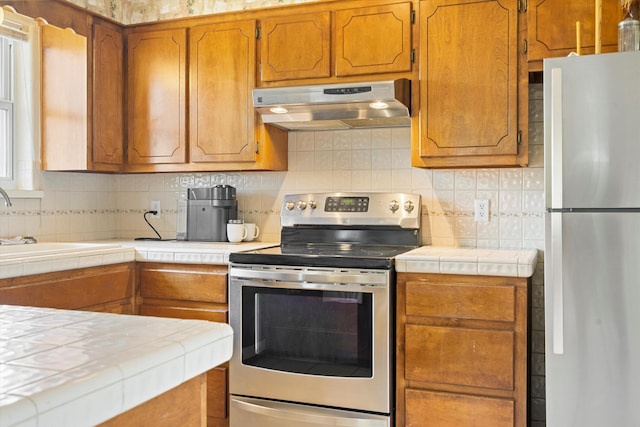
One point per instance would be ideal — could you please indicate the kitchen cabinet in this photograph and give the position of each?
(189, 291)
(461, 350)
(552, 28)
(107, 288)
(336, 43)
(473, 87)
(215, 126)
(107, 134)
(295, 47)
(156, 97)
(373, 40)
(82, 109)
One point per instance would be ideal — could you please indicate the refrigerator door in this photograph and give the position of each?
(592, 316)
(592, 131)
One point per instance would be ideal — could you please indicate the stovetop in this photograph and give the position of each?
(350, 230)
(340, 255)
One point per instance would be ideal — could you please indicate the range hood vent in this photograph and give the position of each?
(336, 106)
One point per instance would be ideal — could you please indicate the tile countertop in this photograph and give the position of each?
(481, 262)
(38, 258)
(76, 368)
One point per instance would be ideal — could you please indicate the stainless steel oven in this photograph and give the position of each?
(313, 318)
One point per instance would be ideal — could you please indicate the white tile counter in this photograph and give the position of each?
(75, 368)
(472, 261)
(39, 258)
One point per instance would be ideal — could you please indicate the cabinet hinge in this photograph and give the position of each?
(413, 56)
(525, 47)
(519, 140)
(258, 33)
(522, 6)
(413, 16)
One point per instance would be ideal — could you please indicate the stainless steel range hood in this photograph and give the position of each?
(336, 106)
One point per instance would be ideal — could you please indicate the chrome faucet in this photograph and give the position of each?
(7, 200)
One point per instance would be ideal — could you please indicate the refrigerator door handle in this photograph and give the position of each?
(556, 138)
(556, 280)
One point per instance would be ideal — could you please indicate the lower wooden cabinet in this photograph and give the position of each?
(190, 291)
(106, 288)
(461, 350)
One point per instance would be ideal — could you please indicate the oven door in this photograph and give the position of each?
(319, 336)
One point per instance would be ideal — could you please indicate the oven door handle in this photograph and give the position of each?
(303, 415)
(311, 276)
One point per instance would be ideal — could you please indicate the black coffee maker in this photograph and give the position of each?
(208, 211)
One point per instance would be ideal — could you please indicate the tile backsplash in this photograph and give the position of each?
(94, 206)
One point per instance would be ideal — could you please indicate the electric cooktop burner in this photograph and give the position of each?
(346, 230)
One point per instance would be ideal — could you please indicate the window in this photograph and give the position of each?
(6, 109)
(19, 101)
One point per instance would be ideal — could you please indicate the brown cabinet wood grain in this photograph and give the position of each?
(107, 288)
(461, 350)
(296, 47)
(552, 28)
(156, 94)
(333, 42)
(64, 107)
(107, 100)
(221, 66)
(190, 291)
(473, 89)
(373, 40)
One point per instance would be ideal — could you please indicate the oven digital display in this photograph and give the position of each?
(346, 204)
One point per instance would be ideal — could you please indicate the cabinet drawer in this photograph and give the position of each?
(468, 357)
(426, 408)
(465, 301)
(197, 284)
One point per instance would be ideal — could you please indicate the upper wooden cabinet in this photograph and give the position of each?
(156, 94)
(108, 89)
(221, 66)
(373, 40)
(368, 40)
(296, 47)
(84, 63)
(552, 28)
(64, 108)
(215, 126)
(472, 87)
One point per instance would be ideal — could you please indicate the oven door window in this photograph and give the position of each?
(308, 331)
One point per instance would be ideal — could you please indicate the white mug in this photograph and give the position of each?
(252, 231)
(236, 232)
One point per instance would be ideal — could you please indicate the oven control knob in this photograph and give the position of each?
(302, 205)
(394, 205)
(408, 206)
(289, 205)
(313, 204)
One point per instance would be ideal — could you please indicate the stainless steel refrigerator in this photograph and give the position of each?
(592, 241)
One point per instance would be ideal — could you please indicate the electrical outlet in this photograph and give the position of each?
(482, 210)
(155, 206)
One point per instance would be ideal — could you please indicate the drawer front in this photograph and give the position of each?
(426, 409)
(465, 301)
(205, 286)
(468, 357)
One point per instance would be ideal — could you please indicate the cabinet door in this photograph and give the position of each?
(552, 27)
(296, 47)
(108, 82)
(222, 76)
(64, 106)
(373, 40)
(156, 90)
(469, 79)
